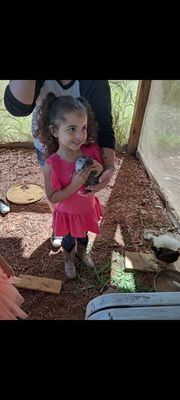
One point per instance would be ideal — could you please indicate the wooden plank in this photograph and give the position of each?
(143, 262)
(147, 313)
(120, 300)
(39, 283)
(138, 116)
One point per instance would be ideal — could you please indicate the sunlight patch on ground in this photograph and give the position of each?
(118, 236)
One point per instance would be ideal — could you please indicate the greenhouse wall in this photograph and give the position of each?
(159, 146)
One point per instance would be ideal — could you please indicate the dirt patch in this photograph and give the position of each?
(130, 205)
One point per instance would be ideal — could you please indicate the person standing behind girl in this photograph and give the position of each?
(67, 128)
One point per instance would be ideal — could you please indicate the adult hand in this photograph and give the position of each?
(104, 179)
(97, 167)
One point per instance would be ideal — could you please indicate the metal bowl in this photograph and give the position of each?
(167, 280)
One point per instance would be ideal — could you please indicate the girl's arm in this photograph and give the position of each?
(58, 196)
(98, 93)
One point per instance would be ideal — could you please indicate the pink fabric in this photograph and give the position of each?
(79, 213)
(10, 298)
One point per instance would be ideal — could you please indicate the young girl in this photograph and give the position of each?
(10, 298)
(67, 129)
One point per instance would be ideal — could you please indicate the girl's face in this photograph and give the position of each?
(72, 133)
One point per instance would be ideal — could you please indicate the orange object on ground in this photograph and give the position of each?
(25, 193)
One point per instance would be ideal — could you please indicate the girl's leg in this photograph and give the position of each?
(68, 245)
(82, 252)
(68, 242)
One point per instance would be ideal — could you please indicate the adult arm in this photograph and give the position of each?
(23, 91)
(20, 96)
(108, 173)
(98, 94)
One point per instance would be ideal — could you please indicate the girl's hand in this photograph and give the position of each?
(79, 178)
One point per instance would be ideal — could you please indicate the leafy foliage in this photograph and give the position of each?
(123, 101)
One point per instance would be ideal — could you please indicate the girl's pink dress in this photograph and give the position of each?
(10, 298)
(79, 213)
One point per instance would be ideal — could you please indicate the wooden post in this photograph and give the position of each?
(138, 116)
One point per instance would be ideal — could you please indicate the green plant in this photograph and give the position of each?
(129, 281)
(102, 274)
(124, 281)
(99, 278)
(123, 100)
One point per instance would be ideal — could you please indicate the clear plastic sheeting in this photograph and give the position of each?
(159, 145)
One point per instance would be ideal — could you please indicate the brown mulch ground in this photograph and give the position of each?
(130, 205)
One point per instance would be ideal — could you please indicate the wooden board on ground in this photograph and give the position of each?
(140, 262)
(39, 283)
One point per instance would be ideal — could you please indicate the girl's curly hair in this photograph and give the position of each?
(51, 113)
